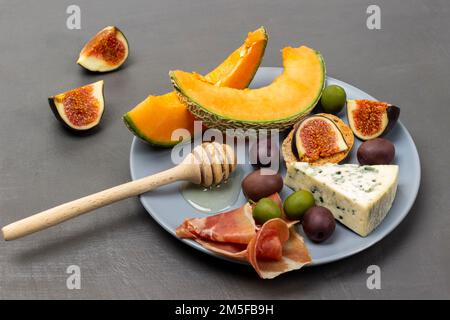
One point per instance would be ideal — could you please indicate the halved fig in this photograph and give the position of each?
(106, 51)
(81, 108)
(370, 119)
(317, 137)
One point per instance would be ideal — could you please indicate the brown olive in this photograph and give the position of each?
(261, 183)
(376, 151)
(318, 224)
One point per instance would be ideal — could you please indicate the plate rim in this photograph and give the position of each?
(328, 259)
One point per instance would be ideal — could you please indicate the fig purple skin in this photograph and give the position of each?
(392, 114)
(294, 144)
(261, 153)
(257, 186)
(376, 151)
(318, 224)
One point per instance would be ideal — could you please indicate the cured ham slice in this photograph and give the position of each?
(236, 226)
(272, 249)
(277, 248)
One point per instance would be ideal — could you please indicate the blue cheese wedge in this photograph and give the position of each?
(358, 196)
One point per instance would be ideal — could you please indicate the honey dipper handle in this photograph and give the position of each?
(72, 209)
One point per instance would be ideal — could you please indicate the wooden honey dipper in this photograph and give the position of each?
(208, 164)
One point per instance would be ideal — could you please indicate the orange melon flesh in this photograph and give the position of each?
(157, 117)
(238, 69)
(292, 94)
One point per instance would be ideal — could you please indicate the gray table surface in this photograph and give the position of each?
(121, 251)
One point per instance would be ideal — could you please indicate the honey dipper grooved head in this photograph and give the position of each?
(216, 161)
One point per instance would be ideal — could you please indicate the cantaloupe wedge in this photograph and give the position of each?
(157, 117)
(291, 96)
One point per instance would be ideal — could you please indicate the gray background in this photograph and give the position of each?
(122, 252)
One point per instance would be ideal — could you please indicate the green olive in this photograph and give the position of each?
(297, 203)
(266, 209)
(333, 99)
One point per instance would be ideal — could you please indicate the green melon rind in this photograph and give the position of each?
(135, 130)
(213, 120)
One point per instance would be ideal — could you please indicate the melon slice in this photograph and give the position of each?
(289, 97)
(106, 51)
(157, 117)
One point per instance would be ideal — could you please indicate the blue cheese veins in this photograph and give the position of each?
(358, 196)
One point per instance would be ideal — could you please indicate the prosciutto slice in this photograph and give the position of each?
(277, 248)
(272, 249)
(235, 226)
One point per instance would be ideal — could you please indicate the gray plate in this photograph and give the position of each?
(167, 206)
